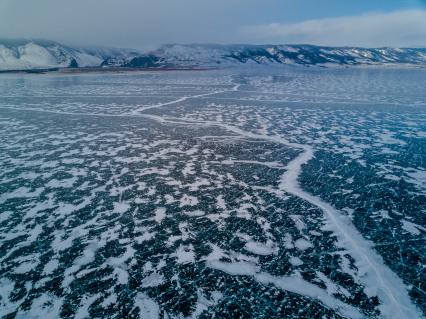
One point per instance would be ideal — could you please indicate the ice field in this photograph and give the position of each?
(243, 193)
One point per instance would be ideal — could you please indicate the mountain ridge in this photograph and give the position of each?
(27, 54)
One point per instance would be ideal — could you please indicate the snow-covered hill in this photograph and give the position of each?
(214, 55)
(40, 54)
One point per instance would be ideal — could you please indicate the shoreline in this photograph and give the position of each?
(85, 70)
(90, 70)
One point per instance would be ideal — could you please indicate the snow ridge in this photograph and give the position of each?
(42, 54)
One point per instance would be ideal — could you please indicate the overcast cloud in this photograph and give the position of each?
(401, 28)
(149, 23)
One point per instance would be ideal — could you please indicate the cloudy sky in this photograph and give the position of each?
(148, 23)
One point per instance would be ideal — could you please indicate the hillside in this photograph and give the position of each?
(42, 54)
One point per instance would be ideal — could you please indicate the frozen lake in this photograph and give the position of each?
(251, 193)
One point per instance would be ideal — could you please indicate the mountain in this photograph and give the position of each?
(215, 55)
(42, 54)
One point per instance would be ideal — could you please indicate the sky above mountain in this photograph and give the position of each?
(148, 23)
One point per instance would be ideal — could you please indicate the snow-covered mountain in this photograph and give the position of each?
(214, 55)
(41, 54)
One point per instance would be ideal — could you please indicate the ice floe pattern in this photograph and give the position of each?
(258, 194)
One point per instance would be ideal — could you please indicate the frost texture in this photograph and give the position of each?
(244, 193)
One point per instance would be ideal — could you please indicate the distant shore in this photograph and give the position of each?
(100, 70)
(87, 70)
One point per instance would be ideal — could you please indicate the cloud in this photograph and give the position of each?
(148, 23)
(400, 29)
(128, 23)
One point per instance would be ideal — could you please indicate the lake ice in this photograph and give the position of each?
(246, 193)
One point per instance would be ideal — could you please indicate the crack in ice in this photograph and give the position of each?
(395, 302)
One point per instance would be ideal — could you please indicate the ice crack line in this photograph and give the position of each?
(184, 98)
(395, 302)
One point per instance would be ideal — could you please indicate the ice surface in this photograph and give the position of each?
(257, 193)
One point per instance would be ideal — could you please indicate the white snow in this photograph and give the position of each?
(188, 200)
(148, 308)
(258, 248)
(412, 228)
(160, 214)
(185, 254)
(294, 284)
(41, 55)
(302, 244)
